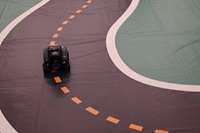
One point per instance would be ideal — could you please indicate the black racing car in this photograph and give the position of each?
(56, 57)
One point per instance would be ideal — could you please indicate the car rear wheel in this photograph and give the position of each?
(67, 67)
(45, 69)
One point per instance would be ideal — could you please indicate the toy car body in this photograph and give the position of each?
(56, 57)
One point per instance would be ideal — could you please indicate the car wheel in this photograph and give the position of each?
(67, 66)
(45, 69)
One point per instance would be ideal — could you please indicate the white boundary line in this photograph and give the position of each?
(113, 53)
(5, 126)
(9, 27)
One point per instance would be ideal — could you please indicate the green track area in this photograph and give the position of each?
(161, 40)
(10, 9)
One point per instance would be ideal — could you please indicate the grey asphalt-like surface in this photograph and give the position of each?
(33, 103)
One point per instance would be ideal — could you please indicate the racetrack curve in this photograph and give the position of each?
(33, 102)
(121, 65)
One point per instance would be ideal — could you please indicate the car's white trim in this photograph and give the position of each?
(115, 57)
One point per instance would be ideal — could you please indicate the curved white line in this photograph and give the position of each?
(5, 126)
(113, 53)
(9, 27)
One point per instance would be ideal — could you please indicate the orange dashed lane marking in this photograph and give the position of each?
(92, 111)
(57, 79)
(65, 90)
(161, 131)
(76, 100)
(65, 22)
(55, 36)
(84, 6)
(52, 43)
(89, 1)
(72, 16)
(78, 11)
(136, 127)
(60, 29)
(113, 120)
(53, 71)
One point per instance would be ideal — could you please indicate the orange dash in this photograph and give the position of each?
(92, 111)
(65, 90)
(57, 79)
(72, 16)
(161, 131)
(76, 100)
(78, 11)
(65, 22)
(89, 1)
(55, 36)
(52, 43)
(113, 120)
(136, 127)
(53, 71)
(60, 29)
(84, 6)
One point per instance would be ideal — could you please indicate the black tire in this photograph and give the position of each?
(45, 69)
(68, 56)
(66, 67)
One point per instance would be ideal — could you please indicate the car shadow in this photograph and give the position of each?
(63, 74)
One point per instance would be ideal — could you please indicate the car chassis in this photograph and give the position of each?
(56, 58)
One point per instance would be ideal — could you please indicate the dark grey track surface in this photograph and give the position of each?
(34, 103)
